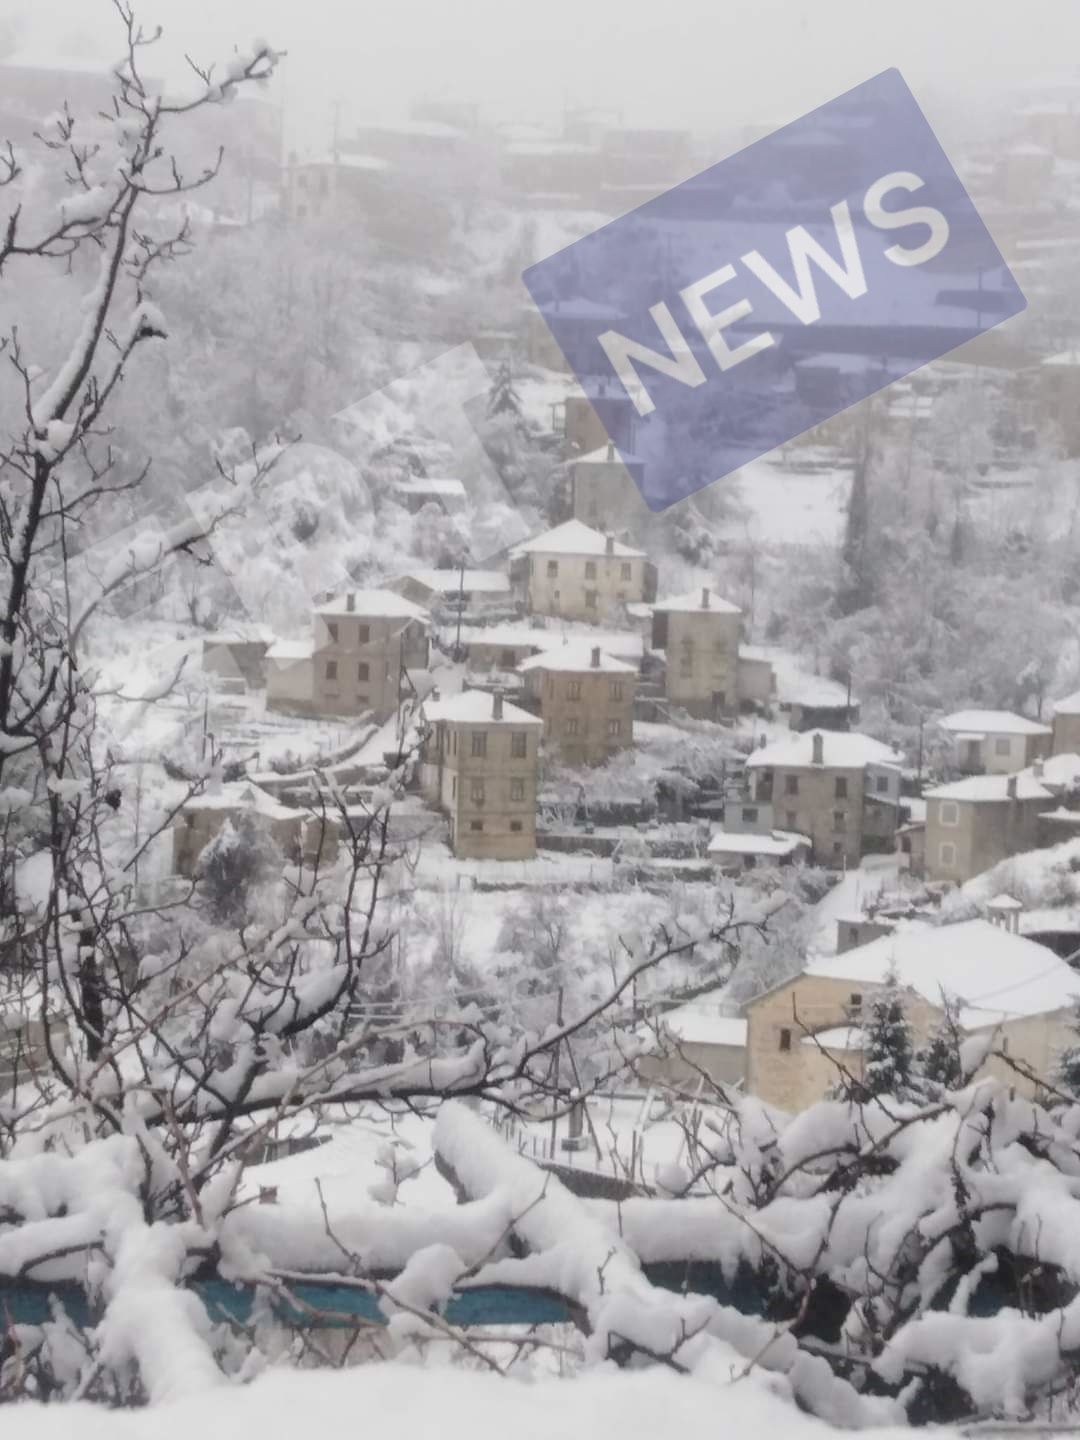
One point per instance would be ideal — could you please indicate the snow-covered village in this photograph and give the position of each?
(513, 921)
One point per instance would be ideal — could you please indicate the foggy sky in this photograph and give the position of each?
(713, 65)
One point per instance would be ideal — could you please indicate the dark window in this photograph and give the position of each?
(476, 824)
(590, 569)
(363, 634)
(519, 745)
(615, 690)
(517, 789)
(590, 599)
(792, 819)
(839, 820)
(508, 661)
(841, 787)
(791, 784)
(785, 1040)
(363, 672)
(331, 630)
(476, 792)
(573, 690)
(749, 814)
(855, 1000)
(882, 783)
(627, 572)
(331, 669)
(572, 725)
(553, 568)
(479, 742)
(515, 826)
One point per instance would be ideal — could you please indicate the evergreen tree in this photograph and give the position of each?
(503, 399)
(240, 859)
(1067, 1071)
(889, 1052)
(938, 1063)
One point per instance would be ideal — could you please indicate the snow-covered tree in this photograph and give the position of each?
(1067, 1070)
(888, 1049)
(938, 1063)
(503, 398)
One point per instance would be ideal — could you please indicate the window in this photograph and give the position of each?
(552, 569)
(791, 784)
(626, 571)
(331, 669)
(517, 789)
(839, 819)
(476, 825)
(590, 599)
(519, 743)
(515, 827)
(615, 690)
(841, 787)
(1002, 745)
(573, 690)
(621, 597)
(947, 854)
(881, 784)
(838, 849)
(363, 634)
(791, 820)
(572, 725)
(590, 569)
(749, 814)
(686, 660)
(363, 672)
(479, 742)
(331, 630)
(614, 727)
(507, 660)
(453, 788)
(948, 812)
(855, 1000)
(785, 1040)
(476, 792)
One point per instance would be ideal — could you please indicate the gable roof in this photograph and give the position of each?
(702, 601)
(577, 656)
(991, 722)
(1068, 705)
(991, 788)
(449, 582)
(841, 750)
(748, 842)
(574, 537)
(477, 707)
(994, 974)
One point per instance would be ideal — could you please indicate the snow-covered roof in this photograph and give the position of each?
(241, 795)
(1068, 705)
(625, 644)
(991, 722)
(477, 707)
(574, 537)
(1055, 770)
(373, 604)
(837, 1037)
(1065, 358)
(1005, 903)
(795, 685)
(449, 582)
(841, 750)
(994, 974)
(1061, 816)
(699, 1023)
(702, 601)
(776, 842)
(578, 656)
(290, 650)
(978, 788)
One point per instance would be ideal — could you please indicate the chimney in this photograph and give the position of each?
(1037, 768)
(496, 705)
(610, 453)
(705, 598)
(350, 602)
(817, 740)
(609, 547)
(596, 657)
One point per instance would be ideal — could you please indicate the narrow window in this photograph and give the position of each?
(519, 742)
(479, 742)
(785, 1040)
(517, 789)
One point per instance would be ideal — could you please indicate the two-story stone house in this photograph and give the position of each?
(364, 644)
(301, 835)
(586, 701)
(993, 742)
(605, 492)
(977, 822)
(581, 574)
(804, 1035)
(1065, 726)
(478, 764)
(700, 634)
(840, 789)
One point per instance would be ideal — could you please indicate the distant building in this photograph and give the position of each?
(771, 678)
(238, 656)
(580, 574)
(841, 790)
(364, 644)
(577, 319)
(432, 588)
(479, 766)
(994, 742)
(734, 850)
(605, 493)
(502, 648)
(591, 423)
(1065, 726)
(334, 187)
(450, 495)
(700, 634)
(705, 1036)
(300, 834)
(586, 701)
(1010, 989)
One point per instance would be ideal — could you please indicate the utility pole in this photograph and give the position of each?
(555, 1079)
(460, 605)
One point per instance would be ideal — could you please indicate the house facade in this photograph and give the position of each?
(700, 635)
(1065, 726)
(605, 493)
(301, 835)
(840, 790)
(586, 701)
(975, 823)
(993, 742)
(803, 1035)
(579, 573)
(478, 765)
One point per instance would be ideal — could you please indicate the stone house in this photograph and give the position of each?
(734, 850)
(579, 573)
(500, 649)
(238, 655)
(301, 835)
(364, 644)
(586, 701)
(605, 492)
(1065, 726)
(704, 1038)
(993, 742)
(478, 765)
(840, 789)
(700, 635)
(974, 823)
(804, 1033)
